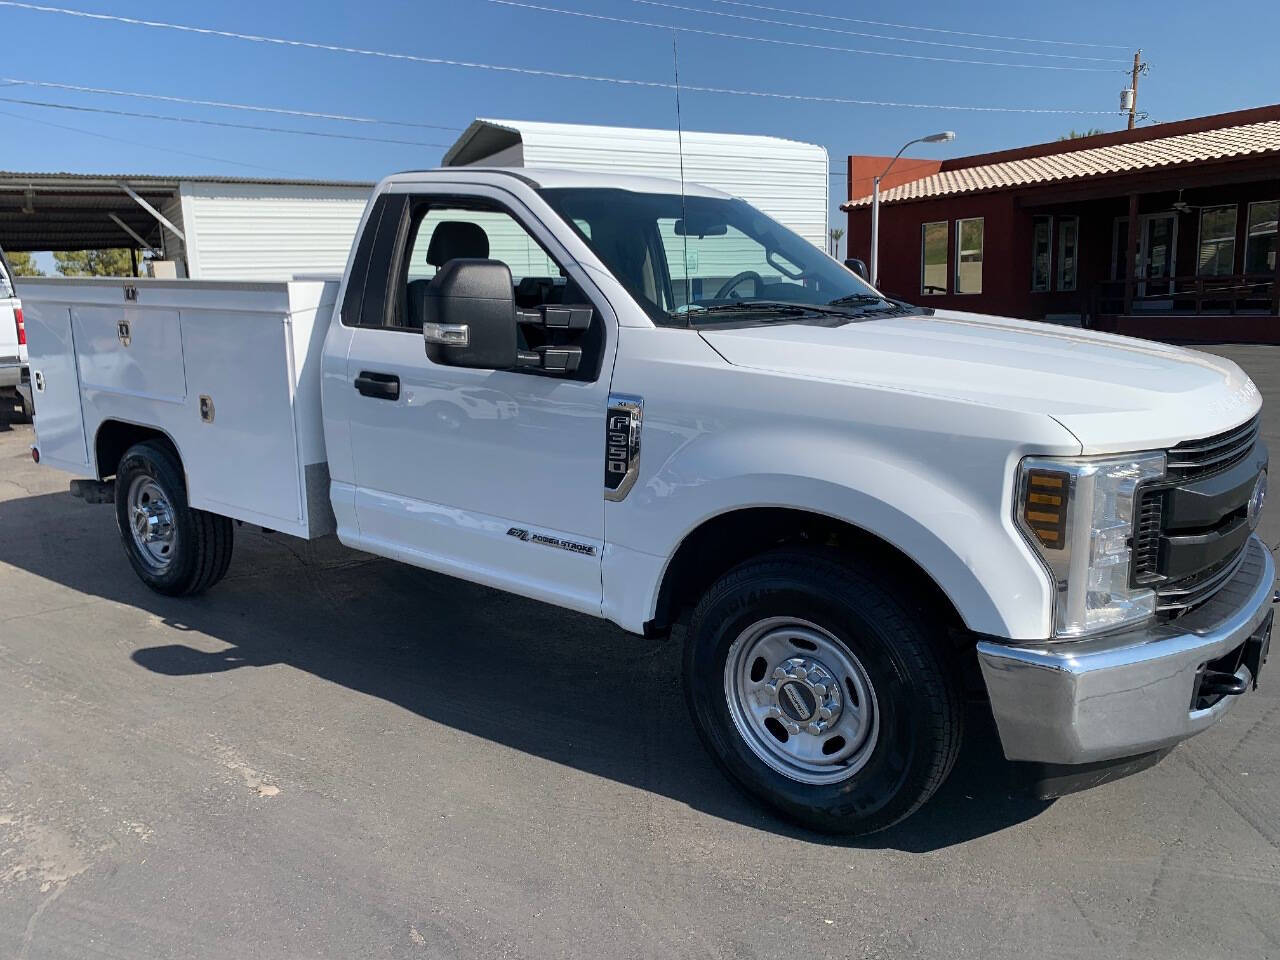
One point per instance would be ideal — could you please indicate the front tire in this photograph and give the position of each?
(822, 691)
(174, 549)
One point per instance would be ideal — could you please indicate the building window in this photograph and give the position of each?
(1260, 244)
(1068, 247)
(1041, 253)
(1217, 255)
(933, 258)
(969, 255)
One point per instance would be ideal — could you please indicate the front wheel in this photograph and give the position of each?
(820, 689)
(174, 549)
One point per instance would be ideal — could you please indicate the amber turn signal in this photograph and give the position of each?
(1045, 506)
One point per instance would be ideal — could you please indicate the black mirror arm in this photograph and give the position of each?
(556, 317)
(552, 359)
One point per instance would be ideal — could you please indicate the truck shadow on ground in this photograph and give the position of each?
(555, 684)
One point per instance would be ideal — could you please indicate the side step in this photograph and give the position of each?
(94, 491)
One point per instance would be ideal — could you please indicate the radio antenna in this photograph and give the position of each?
(684, 214)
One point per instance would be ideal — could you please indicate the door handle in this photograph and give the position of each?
(380, 386)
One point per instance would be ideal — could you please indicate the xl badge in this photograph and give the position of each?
(622, 445)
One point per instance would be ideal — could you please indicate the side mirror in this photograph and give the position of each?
(858, 267)
(469, 315)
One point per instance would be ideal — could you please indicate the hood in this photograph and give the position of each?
(1114, 393)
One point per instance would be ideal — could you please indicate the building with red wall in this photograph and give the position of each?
(1042, 232)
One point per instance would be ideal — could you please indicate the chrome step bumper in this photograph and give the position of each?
(1126, 693)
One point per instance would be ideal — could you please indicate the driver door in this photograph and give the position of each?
(493, 475)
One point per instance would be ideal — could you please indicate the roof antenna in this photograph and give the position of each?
(684, 216)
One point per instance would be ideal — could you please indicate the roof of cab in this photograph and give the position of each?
(556, 178)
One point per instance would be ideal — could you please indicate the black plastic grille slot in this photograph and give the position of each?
(1146, 537)
(1199, 458)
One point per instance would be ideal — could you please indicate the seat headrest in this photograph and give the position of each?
(457, 239)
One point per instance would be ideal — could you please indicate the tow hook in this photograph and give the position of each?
(1216, 683)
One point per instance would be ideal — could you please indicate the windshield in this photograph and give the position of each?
(691, 260)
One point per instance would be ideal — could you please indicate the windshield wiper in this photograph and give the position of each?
(860, 299)
(782, 307)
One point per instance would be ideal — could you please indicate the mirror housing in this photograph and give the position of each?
(857, 266)
(469, 315)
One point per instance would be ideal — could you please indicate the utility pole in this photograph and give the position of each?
(1133, 104)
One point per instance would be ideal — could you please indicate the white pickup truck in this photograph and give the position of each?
(14, 378)
(661, 407)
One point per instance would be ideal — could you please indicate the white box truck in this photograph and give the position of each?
(661, 408)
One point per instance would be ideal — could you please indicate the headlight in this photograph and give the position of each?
(1077, 514)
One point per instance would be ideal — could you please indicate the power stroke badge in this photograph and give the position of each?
(586, 549)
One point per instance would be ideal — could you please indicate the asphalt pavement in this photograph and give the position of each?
(336, 756)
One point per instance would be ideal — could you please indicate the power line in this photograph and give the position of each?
(907, 26)
(221, 104)
(536, 72)
(796, 43)
(219, 123)
(872, 36)
(134, 143)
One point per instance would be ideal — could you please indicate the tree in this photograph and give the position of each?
(1073, 135)
(94, 263)
(836, 233)
(24, 264)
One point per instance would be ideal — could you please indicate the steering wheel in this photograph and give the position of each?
(728, 286)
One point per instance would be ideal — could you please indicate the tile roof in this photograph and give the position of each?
(1223, 142)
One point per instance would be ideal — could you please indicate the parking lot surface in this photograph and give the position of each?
(331, 755)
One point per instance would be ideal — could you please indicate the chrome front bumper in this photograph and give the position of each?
(1127, 693)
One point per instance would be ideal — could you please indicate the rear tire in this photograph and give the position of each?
(820, 689)
(174, 549)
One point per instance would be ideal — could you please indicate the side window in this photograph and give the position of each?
(933, 258)
(1041, 253)
(969, 255)
(365, 301)
(722, 264)
(444, 233)
(441, 230)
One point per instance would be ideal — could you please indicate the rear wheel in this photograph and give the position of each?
(174, 549)
(822, 690)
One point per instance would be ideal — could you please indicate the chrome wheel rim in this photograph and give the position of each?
(151, 523)
(801, 701)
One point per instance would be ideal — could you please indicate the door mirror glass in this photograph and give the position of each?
(858, 267)
(469, 315)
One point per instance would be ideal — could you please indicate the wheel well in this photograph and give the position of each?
(115, 437)
(723, 542)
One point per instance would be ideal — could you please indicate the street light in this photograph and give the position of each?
(944, 137)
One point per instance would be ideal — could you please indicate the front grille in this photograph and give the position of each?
(1167, 536)
(1200, 458)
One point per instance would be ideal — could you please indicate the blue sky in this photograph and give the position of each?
(1202, 61)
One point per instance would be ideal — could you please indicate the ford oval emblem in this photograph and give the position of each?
(1257, 498)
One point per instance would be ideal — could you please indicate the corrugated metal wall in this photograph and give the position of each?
(268, 232)
(787, 179)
